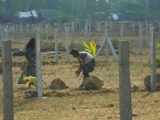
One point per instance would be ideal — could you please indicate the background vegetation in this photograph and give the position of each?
(84, 9)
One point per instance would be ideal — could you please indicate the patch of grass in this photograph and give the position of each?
(43, 35)
(50, 45)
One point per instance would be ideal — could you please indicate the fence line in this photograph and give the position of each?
(73, 25)
(124, 74)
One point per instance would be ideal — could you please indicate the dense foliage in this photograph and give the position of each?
(84, 9)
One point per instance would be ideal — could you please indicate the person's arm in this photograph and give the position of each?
(80, 66)
(81, 58)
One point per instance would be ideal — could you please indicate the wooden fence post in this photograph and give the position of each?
(124, 82)
(21, 28)
(98, 26)
(8, 113)
(111, 27)
(6, 34)
(90, 26)
(152, 58)
(67, 43)
(147, 40)
(133, 26)
(59, 25)
(2, 35)
(38, 66)
(106, 44)
(56, 43)
(86, 32)
(27, 27)
(72, 27)
(16, 28)
(46, 32)
(122, 30)
(159, 26)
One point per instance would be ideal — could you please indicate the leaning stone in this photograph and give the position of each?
(57, 84)
(92, 83)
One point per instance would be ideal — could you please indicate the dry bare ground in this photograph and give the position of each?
(72, 104)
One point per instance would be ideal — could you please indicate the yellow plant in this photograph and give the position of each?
(30, 80)
(91, 48)
(158, 44)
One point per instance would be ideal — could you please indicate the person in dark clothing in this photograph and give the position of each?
(30, 68)
(86, 61)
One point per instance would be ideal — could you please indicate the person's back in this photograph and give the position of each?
(88, 57)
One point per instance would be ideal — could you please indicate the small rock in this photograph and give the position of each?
(73, 108)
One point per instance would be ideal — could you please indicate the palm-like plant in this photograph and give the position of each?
(90, 48)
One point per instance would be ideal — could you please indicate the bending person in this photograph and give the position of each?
(86, 61)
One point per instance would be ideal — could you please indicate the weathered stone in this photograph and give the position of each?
(57, 84)
(92, 83)
(147, 82)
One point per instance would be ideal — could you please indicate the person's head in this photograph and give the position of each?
(75, 53)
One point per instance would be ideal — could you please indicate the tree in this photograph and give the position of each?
(103, 6)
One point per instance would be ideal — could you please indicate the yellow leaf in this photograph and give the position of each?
(91, 49)
(85, 44)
